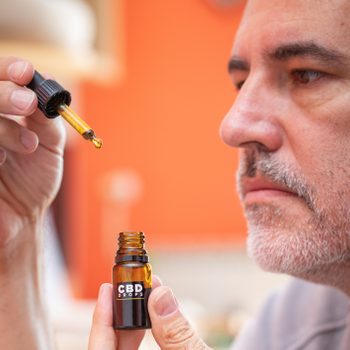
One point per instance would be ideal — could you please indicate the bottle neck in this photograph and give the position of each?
(131, 247)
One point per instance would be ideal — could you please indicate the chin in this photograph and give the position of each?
(276, 253)
(290, 238)
(293, 246)
(313, 250)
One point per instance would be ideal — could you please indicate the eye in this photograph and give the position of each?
(306, 76)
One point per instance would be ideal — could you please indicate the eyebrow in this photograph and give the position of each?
(236, 63)
(306, 49)
(297, 49)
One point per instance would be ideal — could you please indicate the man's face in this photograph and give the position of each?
(291, 120)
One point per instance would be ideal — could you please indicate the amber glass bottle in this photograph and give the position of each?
(132, 283)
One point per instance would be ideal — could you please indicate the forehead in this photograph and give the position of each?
(267, 22)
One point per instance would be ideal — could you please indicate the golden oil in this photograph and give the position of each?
(79, 125)
(132, 283)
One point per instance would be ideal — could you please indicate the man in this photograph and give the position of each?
(291, 120)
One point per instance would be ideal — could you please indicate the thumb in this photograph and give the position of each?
(170, 328)
(102, 335)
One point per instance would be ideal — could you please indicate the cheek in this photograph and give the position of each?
(326, 166)
(320, 145)
(327, 102)
(319, 134)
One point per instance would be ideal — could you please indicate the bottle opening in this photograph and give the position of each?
(131, 239)
(131, 247)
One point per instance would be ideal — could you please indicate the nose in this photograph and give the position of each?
(253, 119)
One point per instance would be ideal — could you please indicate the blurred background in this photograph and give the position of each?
(150, 78)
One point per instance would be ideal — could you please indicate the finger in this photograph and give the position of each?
(17, 138)
(156, 282)
(125, 341)
(16, 100)
(170, 328)
(16, 70)
(51, 132)
(129, 340)
(19, 100)
(102, 335)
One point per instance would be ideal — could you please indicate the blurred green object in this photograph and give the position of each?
(219, 340)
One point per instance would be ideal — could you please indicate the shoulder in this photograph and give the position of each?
(292, 315)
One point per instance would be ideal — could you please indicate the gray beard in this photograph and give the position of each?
(280, 240)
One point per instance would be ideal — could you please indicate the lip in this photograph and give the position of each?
(254, 189)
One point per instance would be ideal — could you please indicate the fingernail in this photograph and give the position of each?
(166, 303)
(104, 299)
(22, 99)
(103, 289)
(17, 69)
(29, 139)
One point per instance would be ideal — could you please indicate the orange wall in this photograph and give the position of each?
(161, 121)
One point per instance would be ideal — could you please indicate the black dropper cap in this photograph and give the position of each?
(50, 94)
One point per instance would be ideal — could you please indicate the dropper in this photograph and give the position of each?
(78, 124)
(54, 100)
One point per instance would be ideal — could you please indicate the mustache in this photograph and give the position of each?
(261, 162)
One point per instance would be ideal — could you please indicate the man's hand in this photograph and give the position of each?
(31, 164)
(169, 327)
(31, 149)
